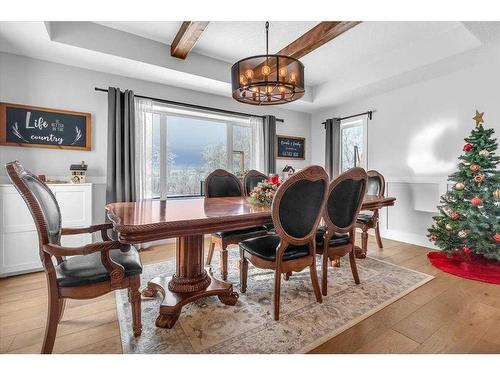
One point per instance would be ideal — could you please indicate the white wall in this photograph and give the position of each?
(416, 136)
(34, 82)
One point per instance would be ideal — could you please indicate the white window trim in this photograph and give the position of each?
(350, 123)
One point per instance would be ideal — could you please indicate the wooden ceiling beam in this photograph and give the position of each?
(186, 38)
(316, 37)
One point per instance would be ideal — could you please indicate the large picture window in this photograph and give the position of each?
(187, 145)
(353, 144)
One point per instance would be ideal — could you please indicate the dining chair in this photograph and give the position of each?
(370, 219)
(91, 271)
(337, 237)
(296, 211)
(221, 183)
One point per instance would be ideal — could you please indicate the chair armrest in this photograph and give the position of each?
(91, 229)
(116, 271)
(58, 250)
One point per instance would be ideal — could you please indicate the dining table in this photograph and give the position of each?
(188, 220)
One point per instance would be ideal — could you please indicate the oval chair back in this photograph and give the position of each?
(375, 184)
(252, 178)
(42, 205)
(221, 183)
(298, 203)
(345, 197)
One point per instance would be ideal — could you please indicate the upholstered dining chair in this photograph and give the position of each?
(91, 271)
(221, 183)
(296, 211)
(370, 219)
(337, 237)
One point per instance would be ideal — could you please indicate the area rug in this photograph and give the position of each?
(208, 326)
(474, 268)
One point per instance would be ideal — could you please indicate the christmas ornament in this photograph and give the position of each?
(474, 168)
(459, 186)
(455, 216)
(496, 194)
(466, 249)
(449, 226)
(478, 178)
(484, 153)
(468, 147)
(496, 237)
(476, 201)
(478, 118)
(465, 163)
(462, 233)
(434, 238)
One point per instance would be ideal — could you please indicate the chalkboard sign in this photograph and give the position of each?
(27, 126)
(290, 147)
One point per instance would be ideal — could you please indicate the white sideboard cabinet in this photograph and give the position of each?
(18, 236)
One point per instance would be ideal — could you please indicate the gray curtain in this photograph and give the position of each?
(269, 124)
(332, 147)
(120, 176)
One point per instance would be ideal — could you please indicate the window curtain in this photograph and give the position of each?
(143, 147)
(120, 176)
(269, 126)
(258, 130)
(332, 147)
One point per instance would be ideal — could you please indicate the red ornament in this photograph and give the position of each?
(496, 237)
(476, 201)
(478, 178)
(455, 215)
(466, 249)
(468, 147)
(434, 238)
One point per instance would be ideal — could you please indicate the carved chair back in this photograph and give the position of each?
(221, 183)
(43, 207)
(375, 184)
(345, 197)
(298, 203)
(252, 178)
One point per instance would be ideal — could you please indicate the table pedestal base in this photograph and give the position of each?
(190, 283)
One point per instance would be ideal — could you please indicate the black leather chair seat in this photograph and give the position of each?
(264, 247)
(338, 239)
(88, 269)
(364, 218)
(269, 227)
(253, 232)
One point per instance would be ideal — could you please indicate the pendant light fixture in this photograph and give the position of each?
(267, 79)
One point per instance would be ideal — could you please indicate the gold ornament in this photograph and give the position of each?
(459, 186)
(478, 118)
(449, 227)
(484, 153)
(474, 168)
(496, 193)
(462, 233)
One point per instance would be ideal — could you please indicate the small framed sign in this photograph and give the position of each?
(28, 126)
(288, 147)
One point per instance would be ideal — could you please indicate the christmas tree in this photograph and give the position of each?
(469, 213)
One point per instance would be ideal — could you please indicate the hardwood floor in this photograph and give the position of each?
(446, 315)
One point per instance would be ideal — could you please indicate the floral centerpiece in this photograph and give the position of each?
(264, 192)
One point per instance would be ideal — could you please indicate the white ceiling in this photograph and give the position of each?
(366, 56)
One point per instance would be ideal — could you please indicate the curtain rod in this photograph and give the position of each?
(369, 113)
(195, 106)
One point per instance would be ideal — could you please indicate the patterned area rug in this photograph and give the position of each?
(208, 326)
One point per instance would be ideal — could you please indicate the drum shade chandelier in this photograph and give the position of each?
(267, 79)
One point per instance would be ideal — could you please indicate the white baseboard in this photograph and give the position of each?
(411, 238)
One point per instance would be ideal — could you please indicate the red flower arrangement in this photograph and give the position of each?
(264, 192)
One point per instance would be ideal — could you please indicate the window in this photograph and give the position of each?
(188, 145)
(353, 143)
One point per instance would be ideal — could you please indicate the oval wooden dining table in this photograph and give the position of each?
(189, 220)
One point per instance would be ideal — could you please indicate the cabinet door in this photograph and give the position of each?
(75, 203)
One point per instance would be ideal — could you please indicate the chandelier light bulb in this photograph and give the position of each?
(266, 70)
(249, 74)
(283, 71)
(293, 77)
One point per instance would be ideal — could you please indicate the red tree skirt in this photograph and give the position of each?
(475, 268)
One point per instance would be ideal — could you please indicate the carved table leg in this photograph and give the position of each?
(190, 282)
